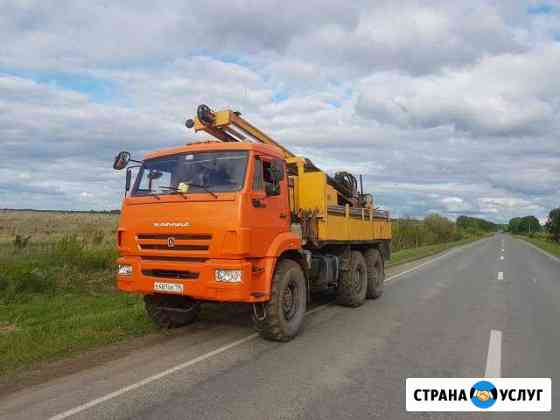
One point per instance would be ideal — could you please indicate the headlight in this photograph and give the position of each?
(125, 270)
(229, 276)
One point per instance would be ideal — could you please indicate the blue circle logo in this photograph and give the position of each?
(483, 394)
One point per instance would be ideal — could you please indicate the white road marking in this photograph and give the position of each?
(212, 353)
(501, 257)
(534, 280)
(152, 378)
(494, 356)
(502, 249)
(501, 275)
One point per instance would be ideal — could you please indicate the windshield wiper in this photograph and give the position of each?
(204, 187)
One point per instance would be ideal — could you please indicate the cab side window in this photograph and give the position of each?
(268, 175)
(273, 173)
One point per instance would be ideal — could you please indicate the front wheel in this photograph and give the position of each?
(282, 316)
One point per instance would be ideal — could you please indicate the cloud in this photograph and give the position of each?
(447, 107)
(510, 95)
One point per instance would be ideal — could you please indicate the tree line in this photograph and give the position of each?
(474, 224)
(530, 225)
(434, 229)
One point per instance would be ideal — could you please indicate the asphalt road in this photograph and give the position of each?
(434, 320)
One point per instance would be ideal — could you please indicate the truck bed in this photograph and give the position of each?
(325, 220)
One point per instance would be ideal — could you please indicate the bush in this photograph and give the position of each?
(24, 279)
(49, 268)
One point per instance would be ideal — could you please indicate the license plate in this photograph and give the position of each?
(168, 287)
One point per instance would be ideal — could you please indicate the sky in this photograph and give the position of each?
(444, 106)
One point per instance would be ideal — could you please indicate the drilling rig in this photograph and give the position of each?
(240, 218)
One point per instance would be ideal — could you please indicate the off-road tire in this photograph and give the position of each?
(288, 287)
(160, 309)
(375, 273)
(352, 286)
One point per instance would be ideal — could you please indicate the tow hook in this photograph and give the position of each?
(256, 312)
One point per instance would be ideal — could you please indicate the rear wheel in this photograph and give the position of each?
(170, 311)
(282, 315)
(375, 273)
(352, 286)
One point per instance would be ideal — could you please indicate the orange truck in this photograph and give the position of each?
(242, 219)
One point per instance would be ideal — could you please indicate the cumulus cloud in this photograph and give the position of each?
(512, 94)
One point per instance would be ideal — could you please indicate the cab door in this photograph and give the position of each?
(269, 213)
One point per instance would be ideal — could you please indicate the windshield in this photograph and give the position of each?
(192, 173)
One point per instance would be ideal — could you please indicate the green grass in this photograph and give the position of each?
(51, 327)
(412, 254)
(546, 245)
(58, 297)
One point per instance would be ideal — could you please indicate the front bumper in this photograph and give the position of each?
(252, 288)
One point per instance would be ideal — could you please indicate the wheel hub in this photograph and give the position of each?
(358, 280)
(289, 300)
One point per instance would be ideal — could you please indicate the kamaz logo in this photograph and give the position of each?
(172, 224)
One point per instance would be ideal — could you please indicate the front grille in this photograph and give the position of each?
(194, 245)
(171, 274)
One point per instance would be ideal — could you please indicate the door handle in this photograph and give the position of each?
(257, 203)
(283, 215)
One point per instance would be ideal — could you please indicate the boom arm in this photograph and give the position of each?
(228, 126)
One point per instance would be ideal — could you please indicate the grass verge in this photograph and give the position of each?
(412, 254)
(546, 245)
(51, 327)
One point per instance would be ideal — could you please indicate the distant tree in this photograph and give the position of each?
(524, 225)
(553, 224)
(475, 224)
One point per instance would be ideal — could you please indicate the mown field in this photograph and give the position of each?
(57, 282)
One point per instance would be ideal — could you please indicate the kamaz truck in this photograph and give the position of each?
(239, 218)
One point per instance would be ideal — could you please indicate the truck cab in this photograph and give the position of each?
(211, 216)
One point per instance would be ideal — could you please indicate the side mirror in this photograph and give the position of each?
(128, 179)
(121, 160)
